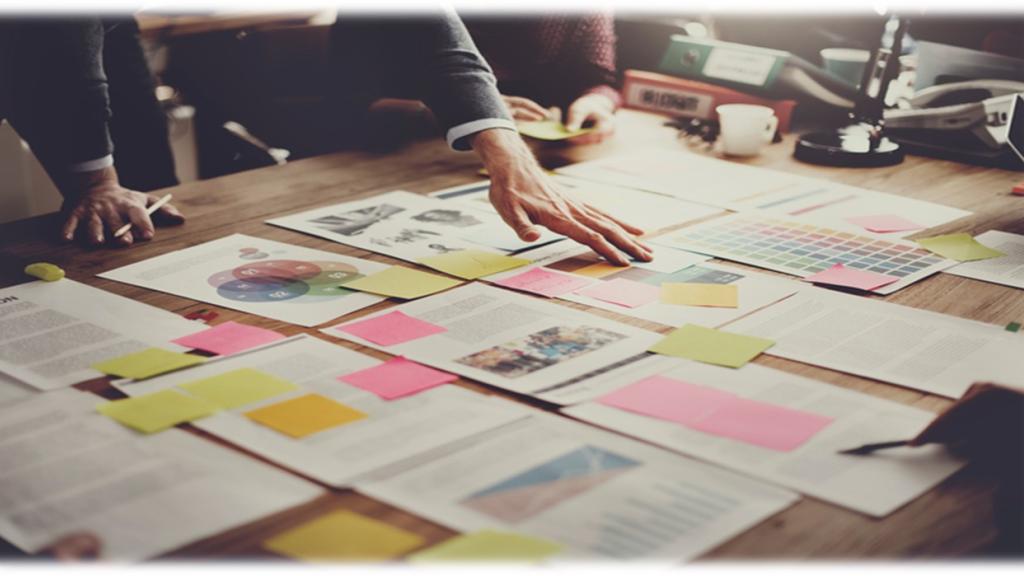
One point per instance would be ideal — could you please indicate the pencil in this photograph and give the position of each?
(869, 448)
(153, 208)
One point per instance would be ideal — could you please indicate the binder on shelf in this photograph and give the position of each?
(680, 97)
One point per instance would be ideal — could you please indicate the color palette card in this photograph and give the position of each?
(804, 249)
(343, 535)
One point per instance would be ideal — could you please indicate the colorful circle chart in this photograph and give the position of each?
(284, 280)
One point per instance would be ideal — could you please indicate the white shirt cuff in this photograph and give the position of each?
(93, 165)
(457, 133)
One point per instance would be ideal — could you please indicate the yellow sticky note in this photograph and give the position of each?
(402, 282)
(147, 363)
(489, 546)
(962, 247)
(343, 535)
(697, 294)
(549, 130)
(473, 264)
(238, 388)
(305, 415)
(157, 411)
(599, 270)
(712, 346)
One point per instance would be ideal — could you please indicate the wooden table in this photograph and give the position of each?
(954, 519)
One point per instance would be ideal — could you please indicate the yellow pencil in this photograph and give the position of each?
(153, 208)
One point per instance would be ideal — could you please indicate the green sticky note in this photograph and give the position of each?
(712, 346)
(343, 535)
(473, 264)
(147, 363)
(961, 247)
(157, 411)
(238, 388)
(489, 546)
(549, 130)
(402, 282)
(1013, 327)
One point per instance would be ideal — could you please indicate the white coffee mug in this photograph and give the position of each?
(745, 128)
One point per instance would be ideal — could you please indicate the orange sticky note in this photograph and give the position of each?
(599, 270)
(305, 415)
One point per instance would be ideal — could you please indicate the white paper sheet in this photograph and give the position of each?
(877, 484)
(1007, 270)
(744, 188)
(600, 495)
(755, 292)
(915, 348)
(512, 341)
(408, 226)
(393, 430)
(272, 279)
(650, 212)
(68, 469)
(51, 332)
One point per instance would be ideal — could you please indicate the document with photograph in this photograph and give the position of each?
(598, 495)
(647, 210)
(281, 281)
(499, 337)
(776, 426)
(381, 431)
(919, 349)
(409, 226)
(69, 469)
(52, 332)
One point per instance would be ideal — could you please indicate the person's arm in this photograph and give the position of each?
(60, 106)
(591, 56)
(459, 87)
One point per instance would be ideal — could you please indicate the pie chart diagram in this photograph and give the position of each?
(284, 280)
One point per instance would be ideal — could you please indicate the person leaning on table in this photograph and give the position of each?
(431, 57)
(54, 93)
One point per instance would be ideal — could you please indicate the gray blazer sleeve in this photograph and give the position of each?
(429, 57)
(58, 100)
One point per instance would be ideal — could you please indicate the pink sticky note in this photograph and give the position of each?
(397, 377)
(544, 282)
(628, 293)
(885, 223)
(766, 425)
(668, 399)
(840, 275)
(391, 328)
(229, 338)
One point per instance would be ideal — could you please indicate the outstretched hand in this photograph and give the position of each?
(526, 197)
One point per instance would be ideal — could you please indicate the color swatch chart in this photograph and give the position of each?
(804, 249)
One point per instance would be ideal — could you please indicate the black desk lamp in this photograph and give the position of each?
(862, 143)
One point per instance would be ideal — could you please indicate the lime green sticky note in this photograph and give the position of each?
(712, 346)
(343, 535)
(238, 388)
(147, 363)
(402, 282)
(962, 247)
(489, 546)
(157, 411)
(473, 264)
(549, 130)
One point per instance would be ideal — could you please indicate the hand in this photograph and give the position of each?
(525, 196)
(75, 546)
(96, 205)
(597, 109)
(525, 109)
